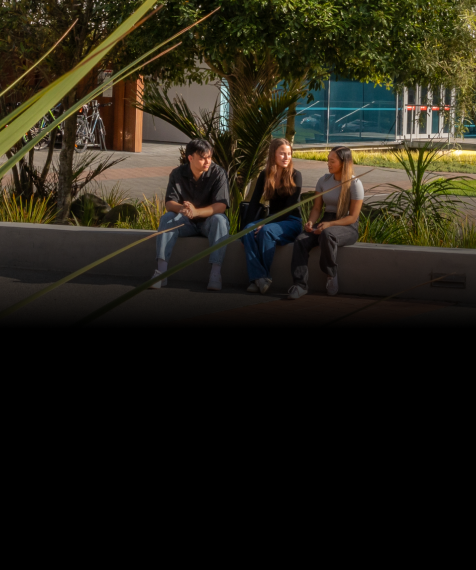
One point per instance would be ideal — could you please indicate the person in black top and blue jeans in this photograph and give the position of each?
(280, 184)
(196, 199)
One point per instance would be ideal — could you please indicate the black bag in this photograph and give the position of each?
(261, 213)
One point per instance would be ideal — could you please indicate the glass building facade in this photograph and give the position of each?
(347, 111)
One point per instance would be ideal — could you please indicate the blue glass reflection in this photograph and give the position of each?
(346, 111)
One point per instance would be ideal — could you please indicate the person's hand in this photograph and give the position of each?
(186, 212)
(189, 210)
(308, 227)
(321, 227)
(257, 230)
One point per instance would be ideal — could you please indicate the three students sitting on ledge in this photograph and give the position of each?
(198, 195)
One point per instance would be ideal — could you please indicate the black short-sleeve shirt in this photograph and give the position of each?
(211, 188)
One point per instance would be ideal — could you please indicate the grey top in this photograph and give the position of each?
(332, 198)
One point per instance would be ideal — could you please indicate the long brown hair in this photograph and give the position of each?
(345, 156)
(286, 185)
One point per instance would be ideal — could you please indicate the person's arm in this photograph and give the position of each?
(314, 215)
(172, 206)
(191, 212)
(354, 211)
(173, 196)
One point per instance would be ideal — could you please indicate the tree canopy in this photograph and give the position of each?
(399, 41)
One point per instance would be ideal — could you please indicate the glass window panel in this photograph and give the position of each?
(311, 119)
(400, 115)
(435, 122)
(410, 122)
(447, 96)
(361, 111)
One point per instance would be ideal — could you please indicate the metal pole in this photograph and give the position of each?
(328, 109)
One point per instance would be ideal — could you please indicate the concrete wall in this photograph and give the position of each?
(197, 97)
(364, 269)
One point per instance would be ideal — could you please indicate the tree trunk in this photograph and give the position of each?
(65, 174)
(290, 123)
(16, 177)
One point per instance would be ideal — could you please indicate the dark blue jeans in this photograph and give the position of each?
(260, 248)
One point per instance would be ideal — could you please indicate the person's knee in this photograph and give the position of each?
(301, 240)
(266, 233)
(327, 235)
(220, 222)
(166, 219)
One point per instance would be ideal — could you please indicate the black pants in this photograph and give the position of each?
(329, 240)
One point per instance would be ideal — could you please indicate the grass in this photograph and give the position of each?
(462, 188)
(460, 161)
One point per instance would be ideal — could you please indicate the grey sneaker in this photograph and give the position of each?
(253, 288)
(159, 284)
(295, 292)
(214, 284)
(263, 284)
(332, 286)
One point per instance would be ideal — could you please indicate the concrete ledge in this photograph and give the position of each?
(364, 269)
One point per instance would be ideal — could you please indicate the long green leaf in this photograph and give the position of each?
(71, 276)
(34, 113)
(113, 304)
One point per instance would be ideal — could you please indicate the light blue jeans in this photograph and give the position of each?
(215, 228)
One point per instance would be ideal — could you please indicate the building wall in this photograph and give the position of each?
(197, 97)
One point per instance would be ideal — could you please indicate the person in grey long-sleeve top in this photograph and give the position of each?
(338, 227)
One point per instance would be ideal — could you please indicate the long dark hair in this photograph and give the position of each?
(344, 154)
(287, 186)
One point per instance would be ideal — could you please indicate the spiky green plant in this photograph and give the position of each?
(32, 210)
(428, 202)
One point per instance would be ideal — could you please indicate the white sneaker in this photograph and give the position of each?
(214, 284)
(263, 284)
(332, 286)
(159, 284)
(295, 292)
(253, 288)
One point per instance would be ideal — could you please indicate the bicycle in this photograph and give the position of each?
(88, 126)
(42, 124)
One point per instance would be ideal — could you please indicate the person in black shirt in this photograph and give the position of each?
(280, 184)
(196, 199)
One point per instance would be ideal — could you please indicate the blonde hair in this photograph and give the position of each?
(344, 154)
(286, 186)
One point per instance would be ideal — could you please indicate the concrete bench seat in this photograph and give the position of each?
(364, 269)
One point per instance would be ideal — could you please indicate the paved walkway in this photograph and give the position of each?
(147, 173)
(188, 305)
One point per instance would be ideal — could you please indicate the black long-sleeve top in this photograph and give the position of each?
(277, 203)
